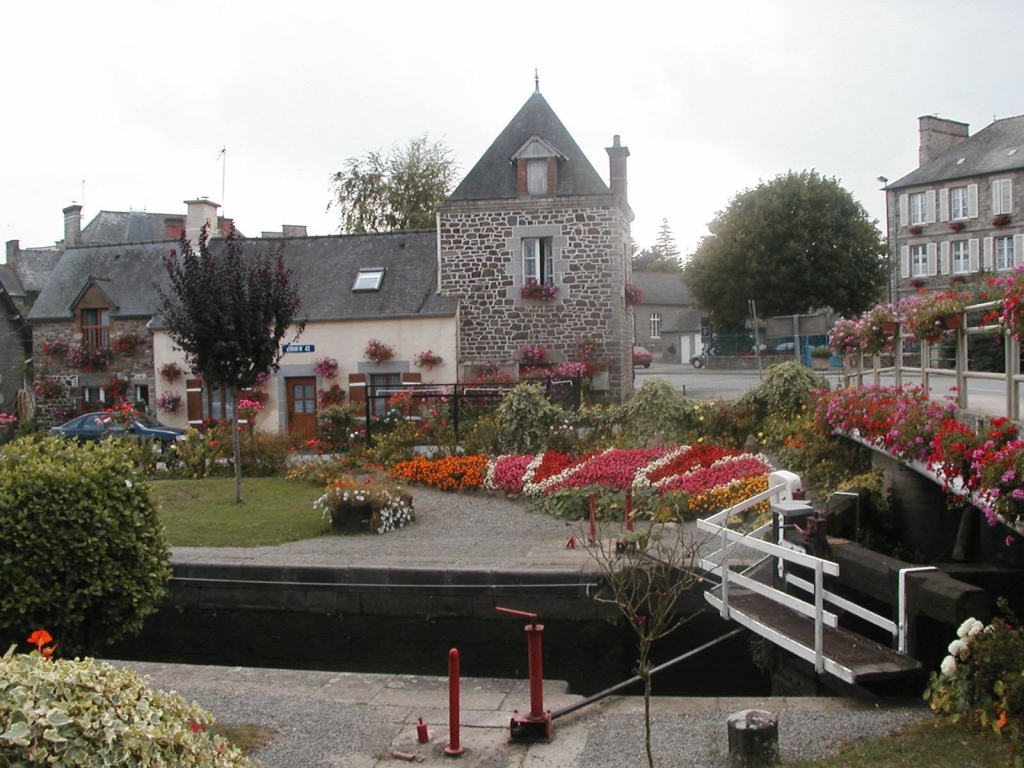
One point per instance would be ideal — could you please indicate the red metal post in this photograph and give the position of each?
(629, 510)
(593, 518)
(422, 735)
(535, 655)
(454, 747)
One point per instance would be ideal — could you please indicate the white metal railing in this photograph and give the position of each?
(856, 369)
(731, 542)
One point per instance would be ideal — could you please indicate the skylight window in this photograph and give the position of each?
(958, 162)
(1012, 152)
(369, 279)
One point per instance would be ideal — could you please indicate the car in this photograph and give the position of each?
(641, 356)
(788, 346)
(98, 425)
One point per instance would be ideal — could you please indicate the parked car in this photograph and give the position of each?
(641, 356)
(96, 426)
(785, 347)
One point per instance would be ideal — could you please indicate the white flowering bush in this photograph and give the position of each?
(86, 713)
(390, 506)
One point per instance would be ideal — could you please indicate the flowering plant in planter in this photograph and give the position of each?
(326, 367)
(427, 359)
(168, 402)
(96, 359)
(586, 347)
(47, 389)
(126, 342)
(378, 504)
(924, 313)
(956, 226)
(1001, 220)
(542, 291)
(531, 353)
(170, 372)
(1011, 289)
(55, 348)
(914, 230)
(880, 325)
(123, 414)
(378, 351)
(247, 409)
(634, 295)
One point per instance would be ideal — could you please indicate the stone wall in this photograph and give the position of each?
(481, 263)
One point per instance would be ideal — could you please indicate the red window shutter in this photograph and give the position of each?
(194, 401)
(357, 387)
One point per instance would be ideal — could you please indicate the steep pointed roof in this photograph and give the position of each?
(494, 175)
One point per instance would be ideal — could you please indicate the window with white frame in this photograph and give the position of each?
(655, 325)
(918, 208)
(1002, 196)
(961, 257)
(538, 262)
(958, 204)
(368, 279)
(918, 261)
(1004, 252)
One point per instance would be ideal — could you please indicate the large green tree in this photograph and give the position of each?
(228, 310)
(394, 191)
(797, 243)
(663, 256)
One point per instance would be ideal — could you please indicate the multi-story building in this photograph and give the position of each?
(962, 211)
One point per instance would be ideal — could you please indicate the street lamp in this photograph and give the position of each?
(891, 275)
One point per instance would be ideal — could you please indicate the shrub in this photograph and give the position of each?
(655, 408)
(84, 713)
(336, 423)
(525, 417)
(265, 455)
(82, 550)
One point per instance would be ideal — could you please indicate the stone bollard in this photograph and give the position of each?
(753, 739)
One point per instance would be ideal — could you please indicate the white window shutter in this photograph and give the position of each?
(972, 201)
(944, 204)
(988, 258)
(1007, 195)
(972, 250)
(904, 210)
(995, 197)
(1018, 249)
(929, 207)
(944, 257)
(904, 261)
(933, 267)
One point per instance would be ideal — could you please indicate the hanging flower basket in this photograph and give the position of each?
(170, 372)
(326, 367)
(427, 359)
(126, 342)
(378, 351)
(930, 316)
(168, 402)
(539, 291)
(531, 353)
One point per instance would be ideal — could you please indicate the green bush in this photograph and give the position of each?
(657, 407)
(82, 550)
(80, 714)
(525, 418)
(265, 454)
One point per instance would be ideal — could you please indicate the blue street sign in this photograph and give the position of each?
(299, 348)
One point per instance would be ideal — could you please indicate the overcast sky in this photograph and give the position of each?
(125, 106)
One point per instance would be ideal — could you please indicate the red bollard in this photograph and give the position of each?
(593, 519)
(629, 510)
(537, 724)
(454, 747)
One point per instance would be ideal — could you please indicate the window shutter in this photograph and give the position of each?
(411, 377)
(995, 197)
(357, 387)
(929, 206)
(988, 259)
(1018, 249)
(932, 260)
(972, 249)
(944, 204)
(1007, 192)
(904, 261)
(904, 210)
(194, 401)
(972, 200)
(944, 257)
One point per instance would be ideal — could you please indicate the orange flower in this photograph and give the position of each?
(39, 638)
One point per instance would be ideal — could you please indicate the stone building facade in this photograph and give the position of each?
(534, 209)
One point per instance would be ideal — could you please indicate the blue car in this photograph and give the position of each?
(96, 426)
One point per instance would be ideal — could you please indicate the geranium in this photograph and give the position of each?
(586, 347)
(379, 352)
(634, 295)
(126, 342)
(924, 313)
(427, 359)
(531, 353)
(7, 419)
(55, 348)
(89, 358)
(170, 372)
(247, 409)
(575, 370)
(48, 389)
(541, 291)
(326, 367)
(124, 413)
(168, 402)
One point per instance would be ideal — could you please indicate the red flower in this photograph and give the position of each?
(196, 727)
(39, 638)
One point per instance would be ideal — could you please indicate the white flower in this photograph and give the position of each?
(127, 483)
(969, 628)
(957, 648)
(948, 666)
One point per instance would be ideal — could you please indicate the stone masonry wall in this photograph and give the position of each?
(481, 263)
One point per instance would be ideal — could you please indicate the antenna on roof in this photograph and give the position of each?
(536, 81)
(223, 173)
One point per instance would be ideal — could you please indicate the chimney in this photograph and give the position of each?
(938, 135)
(13, 247)
(293, 230)
(225, 225)
(617, 155)
(72, 225)
(201, 211)
(174, 227)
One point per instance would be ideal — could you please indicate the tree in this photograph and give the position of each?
(228, 312)
(797, 243)
(663, 256)
(399, 190)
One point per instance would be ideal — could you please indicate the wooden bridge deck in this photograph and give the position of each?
(848, 656)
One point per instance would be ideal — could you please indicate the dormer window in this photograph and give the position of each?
(537, 167)
(369, 279)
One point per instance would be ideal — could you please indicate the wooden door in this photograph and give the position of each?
(301, 406)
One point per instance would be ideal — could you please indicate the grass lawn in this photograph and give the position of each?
(203, 513)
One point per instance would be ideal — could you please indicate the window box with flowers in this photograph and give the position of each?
(379, 352)
(55, 348)
(170, 372)
(879, 326)
(931, 316)
(915, 230)
(47, 389)
(168, 402)
(1002, 220)
(89, 359)
(126, 342)
(531, 353)
(326, 367)
(539, 291)
(634, 296)
(427, 359)
(956, 226)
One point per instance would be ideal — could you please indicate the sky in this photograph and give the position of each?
(126, 106)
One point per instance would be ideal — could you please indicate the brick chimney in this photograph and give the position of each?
(72, 225)
(617, 155)
(937, 136)
(174, 227)
(201, 211)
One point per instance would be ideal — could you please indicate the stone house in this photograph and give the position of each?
(15, 351)
(962, 210)
(534, 245)
(666, 321)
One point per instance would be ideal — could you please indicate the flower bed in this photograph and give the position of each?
(450, 473)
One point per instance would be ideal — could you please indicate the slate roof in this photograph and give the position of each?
(34, 266)
(663, 288)
(10, 282)
(494, 175)
(324, 270)
(986, 152)
(126, 227)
